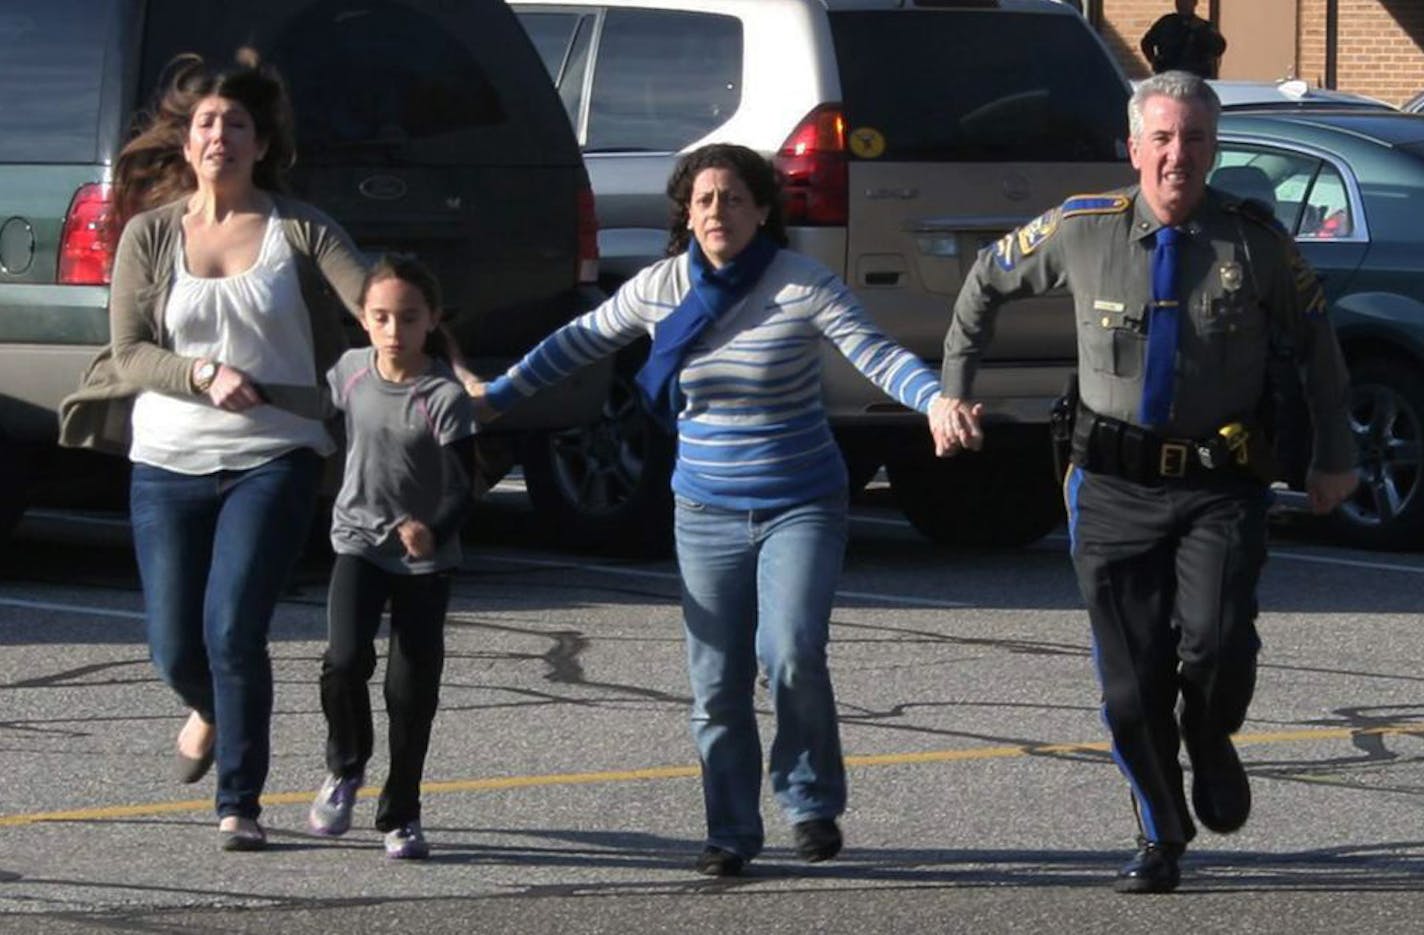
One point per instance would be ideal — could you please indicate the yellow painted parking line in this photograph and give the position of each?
(109, 813)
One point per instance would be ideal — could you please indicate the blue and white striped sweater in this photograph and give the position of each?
(753, 432)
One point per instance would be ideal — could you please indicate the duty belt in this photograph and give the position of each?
(1110, 446)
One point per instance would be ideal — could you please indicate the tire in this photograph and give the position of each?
(606, 486)
(1004, 495)
(1387, 418)
(17, 472)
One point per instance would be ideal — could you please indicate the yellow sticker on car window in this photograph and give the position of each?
(867, 143)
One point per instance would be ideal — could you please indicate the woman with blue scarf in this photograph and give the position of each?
(737, 323)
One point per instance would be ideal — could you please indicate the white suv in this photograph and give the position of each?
(909, 134)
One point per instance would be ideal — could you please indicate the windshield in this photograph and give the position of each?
(1041, 87)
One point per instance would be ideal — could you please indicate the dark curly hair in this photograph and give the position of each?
(751, 167)
(151, 170)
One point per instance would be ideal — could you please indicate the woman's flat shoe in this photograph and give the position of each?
(244, 835)
(192, 768)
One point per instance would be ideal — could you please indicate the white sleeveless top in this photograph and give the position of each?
(255, 321)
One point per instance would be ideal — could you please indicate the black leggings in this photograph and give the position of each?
(359, 592)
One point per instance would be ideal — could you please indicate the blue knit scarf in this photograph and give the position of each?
(713, 292)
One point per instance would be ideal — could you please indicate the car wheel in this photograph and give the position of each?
(1004, 495)
(17, 472)
(605, 486)
(1387, 418)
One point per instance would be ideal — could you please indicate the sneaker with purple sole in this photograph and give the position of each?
(407, 842)
(331, 810)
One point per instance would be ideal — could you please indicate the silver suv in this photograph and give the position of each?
(910, 135)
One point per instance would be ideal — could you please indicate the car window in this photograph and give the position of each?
(1327, 213)
(406, 80)
(663, 79)
(1041, 91)
(1276, 179)
(571, 82)
(419, 82)
(54, 56)
(562, 41)
(551, 33)
(1307, 194)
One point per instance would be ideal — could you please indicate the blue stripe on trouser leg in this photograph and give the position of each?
(1144, 808)
(1073, 487)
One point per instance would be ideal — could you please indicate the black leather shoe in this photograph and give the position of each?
(818, 839)
(1152, 870)
(1221, 792)
(716, 862)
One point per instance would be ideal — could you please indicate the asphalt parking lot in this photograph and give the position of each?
(561, 789)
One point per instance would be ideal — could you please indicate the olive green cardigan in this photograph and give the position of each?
(137, 358)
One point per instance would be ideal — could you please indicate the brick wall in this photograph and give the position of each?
(1310, 43)
(1380, 51)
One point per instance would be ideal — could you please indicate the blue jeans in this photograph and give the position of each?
(759, 585)
(214, 552)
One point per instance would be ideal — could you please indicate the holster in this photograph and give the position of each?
(1060, 426)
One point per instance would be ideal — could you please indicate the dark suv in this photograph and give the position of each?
(422, 125)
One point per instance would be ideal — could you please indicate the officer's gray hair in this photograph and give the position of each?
(1178, 85)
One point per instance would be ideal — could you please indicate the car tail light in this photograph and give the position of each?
(812, 162)
(86, 243)
(587, 235)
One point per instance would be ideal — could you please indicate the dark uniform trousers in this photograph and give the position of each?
(1169, 574)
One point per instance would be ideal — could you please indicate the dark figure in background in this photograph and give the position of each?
(1182, 294)
(1183, 41)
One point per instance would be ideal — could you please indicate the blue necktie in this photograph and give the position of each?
(1162, 325)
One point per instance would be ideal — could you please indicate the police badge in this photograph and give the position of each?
(1231, 276)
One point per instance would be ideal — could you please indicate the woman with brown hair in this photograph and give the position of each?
(220, 334)
(738, 324)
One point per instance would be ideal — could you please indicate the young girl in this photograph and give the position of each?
(409, 428)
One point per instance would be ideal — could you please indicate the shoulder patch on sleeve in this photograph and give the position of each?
(1032, 235)
(1095, 204)
(1021, 243)
(1003, 252)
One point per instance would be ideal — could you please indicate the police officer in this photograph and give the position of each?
(1184, 41)
(1181, 295)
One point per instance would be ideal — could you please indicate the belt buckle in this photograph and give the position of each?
(1173, 461)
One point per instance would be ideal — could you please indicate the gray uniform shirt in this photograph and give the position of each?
(1241, 280)
(395, 467)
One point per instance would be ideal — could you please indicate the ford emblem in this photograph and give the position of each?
(382, 187)
(1016, 187)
